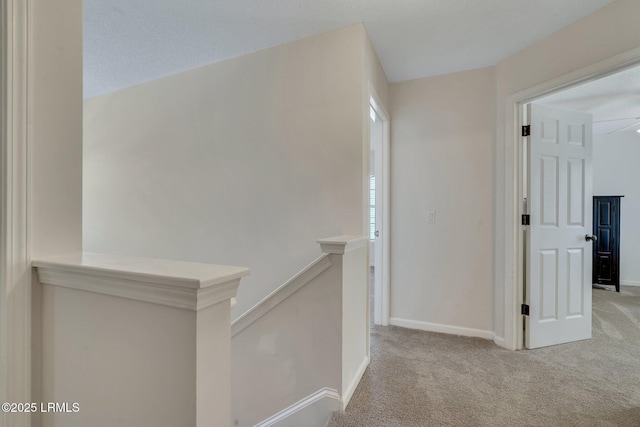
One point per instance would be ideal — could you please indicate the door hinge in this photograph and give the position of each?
(526, 218)
(524, 309)
(526, 130)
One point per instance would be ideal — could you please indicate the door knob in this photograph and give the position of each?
(589, 238)
(377, 233)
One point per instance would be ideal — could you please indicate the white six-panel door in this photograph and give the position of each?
(558, 264)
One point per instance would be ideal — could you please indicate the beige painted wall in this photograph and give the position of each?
(243, 162)
(608, 32)
(442, 159)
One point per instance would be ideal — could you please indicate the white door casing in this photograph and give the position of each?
(558, 263)
(376, 144)
(381, 144)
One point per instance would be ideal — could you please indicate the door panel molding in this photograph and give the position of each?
(558, 288)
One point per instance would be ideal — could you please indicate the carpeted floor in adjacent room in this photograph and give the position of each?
(427, 379)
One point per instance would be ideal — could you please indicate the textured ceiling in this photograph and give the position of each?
(127, 42)
(614, 101)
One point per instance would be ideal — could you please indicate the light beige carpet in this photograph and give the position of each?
(427, 379)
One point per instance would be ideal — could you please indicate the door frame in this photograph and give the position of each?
(513, 274)
(382, 291)
(15, 269)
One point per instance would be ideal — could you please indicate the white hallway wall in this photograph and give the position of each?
(243, 162)
(616, 172)
(442, 160)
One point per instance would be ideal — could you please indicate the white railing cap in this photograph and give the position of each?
(175, 283)
(342, 244)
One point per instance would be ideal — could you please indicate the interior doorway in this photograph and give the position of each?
(379, 224)
(614, 106)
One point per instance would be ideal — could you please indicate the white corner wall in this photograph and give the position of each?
(54, 143)
(610, 31)
(374, 75)
(42, 194)
(242, 162)
(442, 159)
(616, 173)
(55, 139)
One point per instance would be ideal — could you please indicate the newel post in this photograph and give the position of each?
(136, 341)
(351, 254)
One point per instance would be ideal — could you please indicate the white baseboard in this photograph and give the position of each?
(312, 411)
(629, 283)
(499, 341)
(444, 329)
(346, 396)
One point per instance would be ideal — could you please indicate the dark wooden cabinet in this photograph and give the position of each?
(606, 249)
